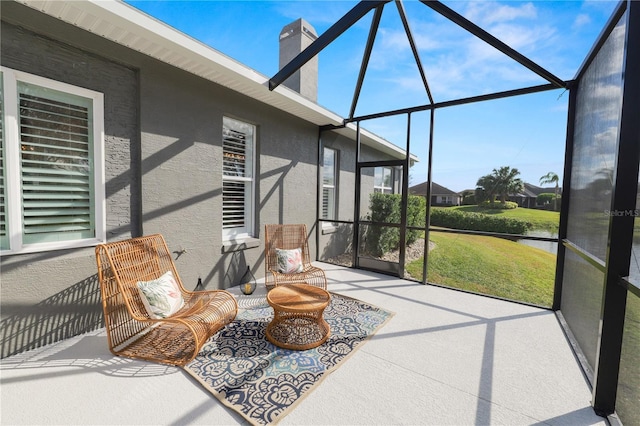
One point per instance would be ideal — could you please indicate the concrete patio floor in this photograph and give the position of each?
(445, 358)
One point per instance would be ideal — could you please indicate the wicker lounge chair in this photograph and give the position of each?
(131, 330)
(289, 237)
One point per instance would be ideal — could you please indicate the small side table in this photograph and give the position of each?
(297, 322)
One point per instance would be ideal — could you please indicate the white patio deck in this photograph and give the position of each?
(445, 358)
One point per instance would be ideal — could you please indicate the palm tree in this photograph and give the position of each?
(507, 182)
(485, 189)
(501, 182)
(551, 178)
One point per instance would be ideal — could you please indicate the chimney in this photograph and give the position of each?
(294, 38)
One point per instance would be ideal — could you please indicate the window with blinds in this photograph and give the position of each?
(55, 148)
(4, 236)
(237, 178)
(329, 183)
(52, 196)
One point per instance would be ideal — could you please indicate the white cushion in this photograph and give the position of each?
(289, 261)
(161, 297)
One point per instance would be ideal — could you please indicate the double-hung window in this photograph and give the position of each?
(329, 170)
(383, 180)
(238, 152)
(52, 166)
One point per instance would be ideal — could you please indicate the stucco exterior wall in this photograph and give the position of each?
(163, 139)
(337, 239)
(50, 295)
(181, 127)
(163, 142)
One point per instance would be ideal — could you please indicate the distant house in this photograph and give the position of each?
(440, 196)
(527, 198)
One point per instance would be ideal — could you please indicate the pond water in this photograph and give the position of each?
(551, 247)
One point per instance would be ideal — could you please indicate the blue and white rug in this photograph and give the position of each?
(263, 382)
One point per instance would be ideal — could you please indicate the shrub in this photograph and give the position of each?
(456, 219)
(469, 200)
(382, 239)
(545, 201)
(416, 212)
(385, 208)
(545, 198)
(507, 205)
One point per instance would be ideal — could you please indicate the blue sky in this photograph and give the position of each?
(526, 132)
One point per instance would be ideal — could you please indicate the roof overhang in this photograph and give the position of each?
(127, 26)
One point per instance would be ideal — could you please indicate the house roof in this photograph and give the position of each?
(537, 190)
(127, 26)
(533, 191)
(421, 189)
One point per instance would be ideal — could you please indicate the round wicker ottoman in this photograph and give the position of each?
(297, 316)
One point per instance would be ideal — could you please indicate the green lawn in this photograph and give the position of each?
(490, 265)
(540, 219)
(629, 386)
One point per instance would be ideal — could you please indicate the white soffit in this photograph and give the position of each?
(125, 25)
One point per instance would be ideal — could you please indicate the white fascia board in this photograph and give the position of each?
(123, 24)
(371, 139)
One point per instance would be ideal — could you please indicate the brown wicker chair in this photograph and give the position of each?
(289, 237)
(131, 332)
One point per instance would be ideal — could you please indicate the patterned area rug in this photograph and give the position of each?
(263, 382)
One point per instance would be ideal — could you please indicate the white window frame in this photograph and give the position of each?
(247, 231)
(382, 188)
(333, 202)
(10, 79)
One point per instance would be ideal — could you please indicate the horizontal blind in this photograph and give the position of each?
(325, 203)
(233, 204)
(4, 236)
(234, 144)
(328, 183)
(55, 148)
(329, 167)
(237, 177)
(328, 197)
